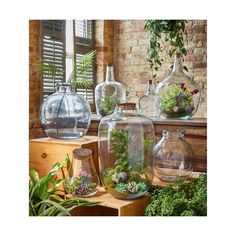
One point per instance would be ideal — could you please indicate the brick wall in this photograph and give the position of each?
(123, 43)
(34, 80)
(131, 68)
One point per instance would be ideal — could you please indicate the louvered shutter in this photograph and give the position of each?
(83, 44)
(53, 51)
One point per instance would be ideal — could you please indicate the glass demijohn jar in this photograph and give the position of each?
(126, 141)
(173, 156)
(82, 179)
(109, 93)
(150, 103)
(65, 114)
(180, 94)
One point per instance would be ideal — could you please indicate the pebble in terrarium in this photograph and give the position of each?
(126, 141)
(82, 179)
(109, 93)
(180, 94)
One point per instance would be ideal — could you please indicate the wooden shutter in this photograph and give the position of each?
(84, 42)
(53, 51)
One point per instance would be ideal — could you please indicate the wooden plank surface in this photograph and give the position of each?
(124, 207)
(45, 152)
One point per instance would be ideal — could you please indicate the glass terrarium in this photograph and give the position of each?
(150, 103)
(109, 93)
(180, 94)
(173, 157)
(126, 141)
(65, 114)
(82, 179)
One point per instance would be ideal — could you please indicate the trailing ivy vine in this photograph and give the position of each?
(166, 37)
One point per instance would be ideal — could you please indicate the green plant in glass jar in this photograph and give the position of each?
(126, 141)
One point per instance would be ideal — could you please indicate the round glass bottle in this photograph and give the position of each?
(65, 114)
(109, 93)
(180, 94)
(173, 156)
(150, 103)
(82, 179)
(126, 141)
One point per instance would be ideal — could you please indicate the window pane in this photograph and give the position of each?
(83, 29)
(53, 50)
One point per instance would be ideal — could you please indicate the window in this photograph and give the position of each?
(83, 43)
(64, 42)
(53, 52)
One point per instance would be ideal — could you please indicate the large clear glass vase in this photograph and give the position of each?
(173, 157)
(179, 93)
(126, 141)
(65, 114)
(109, 93)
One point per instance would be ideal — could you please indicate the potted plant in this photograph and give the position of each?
(42, 198)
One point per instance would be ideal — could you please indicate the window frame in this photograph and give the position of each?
(80, 45)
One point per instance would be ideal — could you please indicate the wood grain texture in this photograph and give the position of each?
(45, 152)
(112, 206)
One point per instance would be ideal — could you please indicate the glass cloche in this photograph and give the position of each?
(82, 179)
(109, 93)
(126, 141)
(65, 114)
(180, 94)
(173, 156)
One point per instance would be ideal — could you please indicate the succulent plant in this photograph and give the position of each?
(121, 187)
(132, 187)
(142, 187)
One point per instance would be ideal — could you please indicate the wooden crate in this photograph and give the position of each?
(111, 206)
(45, 152)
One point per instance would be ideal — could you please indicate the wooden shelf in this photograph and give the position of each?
(112, 206)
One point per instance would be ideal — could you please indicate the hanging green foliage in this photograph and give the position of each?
(166, 37)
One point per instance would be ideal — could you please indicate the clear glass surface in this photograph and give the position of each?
(108, 94)
(150, 103)
(173, 157)
(180, 94)
(65, 114)
(82, 179)
(126, 141)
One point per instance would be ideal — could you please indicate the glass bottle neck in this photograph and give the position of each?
(126, 108)
(64, 87)
(126, 112)
(179, 134)
(110, 74)
(178, 68)
(150, 88)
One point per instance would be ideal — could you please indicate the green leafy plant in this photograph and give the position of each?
(166, 37)
(177, 100)
(179, 199)
(108, 104)
(42, 199)
(125, 177)
(51, 71)
(78, 75)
